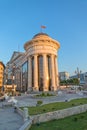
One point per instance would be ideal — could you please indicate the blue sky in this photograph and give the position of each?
(65, 21)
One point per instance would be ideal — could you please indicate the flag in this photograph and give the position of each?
(43, 26)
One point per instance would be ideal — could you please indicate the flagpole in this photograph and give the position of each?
(42, 27)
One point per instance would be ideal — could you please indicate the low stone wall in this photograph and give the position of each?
(19, 111)
(59, 114)
(27, 121)
(50, 115)
(26, 125)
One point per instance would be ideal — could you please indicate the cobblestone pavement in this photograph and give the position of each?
(10, 120)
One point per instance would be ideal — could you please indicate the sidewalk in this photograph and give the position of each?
(9, 120)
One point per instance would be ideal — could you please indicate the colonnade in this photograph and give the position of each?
(54, 73)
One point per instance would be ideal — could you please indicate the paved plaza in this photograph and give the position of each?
(10, 120)
(31, 100)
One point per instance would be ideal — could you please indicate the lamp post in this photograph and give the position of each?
(5, 79)
(78, 72)
(13, 78)
(18, 77)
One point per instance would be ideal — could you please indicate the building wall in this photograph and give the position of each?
(59, 114)
(1, 73)
(42, 53)
(82, 78)
(14, 68)
(40, 71)
(64, 75)
(24, 76)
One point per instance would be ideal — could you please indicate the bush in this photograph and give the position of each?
(44, 110)
(43, 94)
(82, 117)
(73, 104)
(48, 94)
(39, 102)
(75, 119)
(53, 108)
(38, 123)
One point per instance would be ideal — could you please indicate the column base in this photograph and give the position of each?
(45, 89)
(54, 88)
(58, 87)
(29, 89)
(35, 89)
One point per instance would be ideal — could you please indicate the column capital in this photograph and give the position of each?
(52, 55)
(44, 54)
(35, 55)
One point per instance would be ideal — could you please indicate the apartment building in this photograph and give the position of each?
(2, 67)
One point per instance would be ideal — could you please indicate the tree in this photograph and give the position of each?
(73, 81)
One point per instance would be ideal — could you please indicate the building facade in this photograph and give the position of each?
(82, 78)
(2, 67)
(38, 64)
(63, 75)
(13, 70)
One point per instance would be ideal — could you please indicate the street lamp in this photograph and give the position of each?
(18, 77)
(13, 78)
(16, 70)
(5, 79)
(78, 72)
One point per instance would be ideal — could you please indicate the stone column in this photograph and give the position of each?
(57, 76)
(35, 88)
(53, 86)
(45, 73)
(29, 74)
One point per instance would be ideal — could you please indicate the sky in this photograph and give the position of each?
(65, 21)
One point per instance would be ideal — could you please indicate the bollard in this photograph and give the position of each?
(26, 116)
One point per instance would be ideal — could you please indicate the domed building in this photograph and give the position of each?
(41, 52)
(36, 69)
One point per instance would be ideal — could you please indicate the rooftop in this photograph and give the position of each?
(38, 34)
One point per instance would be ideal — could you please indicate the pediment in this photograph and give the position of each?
(15, 55)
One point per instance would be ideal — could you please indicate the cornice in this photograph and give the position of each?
(38, 42)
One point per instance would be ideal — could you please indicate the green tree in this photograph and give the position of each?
(74, 81)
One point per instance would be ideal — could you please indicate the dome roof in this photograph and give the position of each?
(39, 34)
(39, 38)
